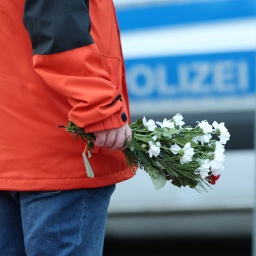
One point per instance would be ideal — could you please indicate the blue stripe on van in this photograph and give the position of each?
(155, 15)
(218, 75)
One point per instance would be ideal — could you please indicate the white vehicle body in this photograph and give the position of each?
(194, 67)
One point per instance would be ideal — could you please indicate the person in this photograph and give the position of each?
(59, 61)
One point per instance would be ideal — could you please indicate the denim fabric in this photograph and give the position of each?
(11, 235)
(55, 223)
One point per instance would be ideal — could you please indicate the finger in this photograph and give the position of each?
(100, 139)
(119, 141)
(122, 138)
(128, 134)
(110, 139)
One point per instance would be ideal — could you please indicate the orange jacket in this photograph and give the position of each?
(59, 60)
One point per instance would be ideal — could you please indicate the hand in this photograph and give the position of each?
(113, 139)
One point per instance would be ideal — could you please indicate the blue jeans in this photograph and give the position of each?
(54, 223)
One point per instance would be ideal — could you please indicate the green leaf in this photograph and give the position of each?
(153, 173)
(170, 132)
(180, 141)
(159, 164)
(159, 181)
(144, 159)
(138, 123)
(131, 146)
(90, 146)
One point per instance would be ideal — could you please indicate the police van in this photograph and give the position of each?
(196, 58)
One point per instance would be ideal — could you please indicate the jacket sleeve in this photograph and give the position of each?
(68, 60)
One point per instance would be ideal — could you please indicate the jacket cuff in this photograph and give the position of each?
(115, 121)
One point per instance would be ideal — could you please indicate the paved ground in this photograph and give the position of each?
(165, 247)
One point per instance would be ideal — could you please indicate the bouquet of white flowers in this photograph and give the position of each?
(171, 151)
